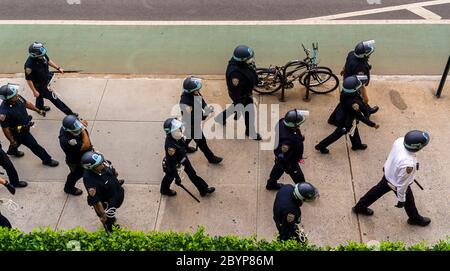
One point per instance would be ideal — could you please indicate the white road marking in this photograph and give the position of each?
(425, 13)
(380, 10)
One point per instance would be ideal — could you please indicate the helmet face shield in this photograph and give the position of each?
(369, 46)
(306, 198)
(351, 89)
(37, 50)
(14, 90)
(95, 160)
(192, 85)
(76, 129)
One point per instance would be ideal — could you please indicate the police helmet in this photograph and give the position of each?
(364, 49)
(415, 140)
(92, 159)
(37, 49)
(171, 125)
(192, 84)
(351, 84)
(305, 192)
(294, 118)
(8, 91)
(72, 124)
(243, 53)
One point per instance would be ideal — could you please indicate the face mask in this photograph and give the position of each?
(177, 135)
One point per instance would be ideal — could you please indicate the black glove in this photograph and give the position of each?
(178, 181)
(10, 188)
(400, 204)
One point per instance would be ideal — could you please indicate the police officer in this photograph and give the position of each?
(400, 171)
(4, 222)
(241, 79)
(38, 77)
(194, 109)
(286, 208)
(175, 158)
(74, 141)
(105, 191)
(357, 63)
(347, 116)
(16, 124)
(289, 149)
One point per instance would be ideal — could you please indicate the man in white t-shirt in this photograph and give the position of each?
(400, 171)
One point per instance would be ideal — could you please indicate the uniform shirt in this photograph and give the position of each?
(286, 212)
(356, 66)
(71, 145)
(293, 139)
(103, 187)
(395, 168)
(350, 109)
(13, 115)
(191, 105)
(241, 80)
(175, 151)
(37, 70)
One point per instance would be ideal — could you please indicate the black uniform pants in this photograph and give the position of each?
(44, 92)
(382, 188)
(249, 125)
(27, 139)
(116, 203)
(76, 173)
(278, 169)
(190, 171)
(4, 222)
(338, 133)
(6, 163)
(201, 143)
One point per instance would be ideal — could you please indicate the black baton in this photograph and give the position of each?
(418, 184)
(189, 192)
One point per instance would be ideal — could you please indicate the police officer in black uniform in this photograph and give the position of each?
(194, 109)
(357, 63)
(286, 208)
(241, 79)
(4, 222)
(347, 116)
(38, 77)
(289, 149)
(105, 191)
(16, 124)
(175, 157)
(74, 141)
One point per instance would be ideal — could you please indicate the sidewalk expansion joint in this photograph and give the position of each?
(62, 212)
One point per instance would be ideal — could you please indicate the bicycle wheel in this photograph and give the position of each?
(301, 80)
(321, 81)
(269, 81)
(294, 70)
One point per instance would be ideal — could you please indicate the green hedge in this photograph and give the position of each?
(126, 240)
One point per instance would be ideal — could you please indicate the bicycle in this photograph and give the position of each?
(318, 79)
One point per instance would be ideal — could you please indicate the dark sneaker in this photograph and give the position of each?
(322, 150)
(215, 160)
(51, 163)
(46, 108)
(422, 221)
(20, 184)
(373, 110)
(209, 190)
(74, 191)
(169, 193)
(16, 153)
(274, 187)
(365, 211)
(257, 138)
(360, 147)
(121, 181)
(190, 149)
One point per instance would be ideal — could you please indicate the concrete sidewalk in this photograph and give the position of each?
(125, 121)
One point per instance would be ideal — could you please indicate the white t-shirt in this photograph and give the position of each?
(395, 168)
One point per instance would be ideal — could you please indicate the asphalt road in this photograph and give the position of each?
(174, 10)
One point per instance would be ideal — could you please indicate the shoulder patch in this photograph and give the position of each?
(73, 142)
(28, 70)
(171, 151)
(290, 218)
(409, 170)
(284, 148)
(355, 106)
(2, 117)
(92, 191)
(235, 81)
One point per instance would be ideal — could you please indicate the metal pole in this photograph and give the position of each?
(307, 81)
(444, 77)
(283, 83)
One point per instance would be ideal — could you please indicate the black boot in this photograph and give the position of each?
(365, 211)
(208, 190)
(420, 221)
(215, 159)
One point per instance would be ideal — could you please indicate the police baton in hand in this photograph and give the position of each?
(189, 192)
(418, 184)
